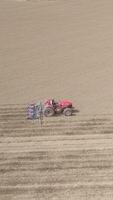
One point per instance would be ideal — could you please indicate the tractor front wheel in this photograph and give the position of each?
(67, 112)
(49, 112)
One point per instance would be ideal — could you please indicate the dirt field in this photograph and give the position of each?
(66, 158)
(60, 49)
(57, 48)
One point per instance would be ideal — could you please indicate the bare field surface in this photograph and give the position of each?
(65, 158)
(61, 49)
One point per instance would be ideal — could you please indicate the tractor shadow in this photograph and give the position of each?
(73, 114)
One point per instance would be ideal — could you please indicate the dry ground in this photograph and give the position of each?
(66, 158)
(59, 49)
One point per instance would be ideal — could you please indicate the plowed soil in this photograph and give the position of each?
(60, 49)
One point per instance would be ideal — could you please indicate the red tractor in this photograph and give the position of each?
(52, 107)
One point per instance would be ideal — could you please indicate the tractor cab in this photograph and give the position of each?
(50, 102)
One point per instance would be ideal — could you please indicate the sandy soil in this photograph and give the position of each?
(60, 49)
(65, 159)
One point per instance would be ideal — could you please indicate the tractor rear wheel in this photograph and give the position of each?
(49, 112)
(67, 112)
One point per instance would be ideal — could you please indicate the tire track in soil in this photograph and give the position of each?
(66, 158)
